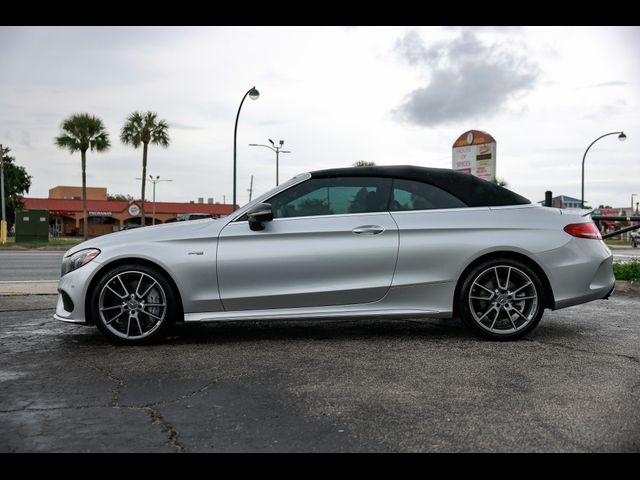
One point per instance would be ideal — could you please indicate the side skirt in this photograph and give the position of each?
(307, 314)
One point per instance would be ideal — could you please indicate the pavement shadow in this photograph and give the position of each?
(213, 333)
(276, 330)
(302, 330)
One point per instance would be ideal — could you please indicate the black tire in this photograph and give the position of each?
(137, 319)
(473, 306)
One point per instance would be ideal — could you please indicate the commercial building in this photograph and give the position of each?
(565, 201)
(608, 226)
(106, 216)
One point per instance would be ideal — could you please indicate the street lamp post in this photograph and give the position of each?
(632, 195)
(3, 222)
(253, 95)
(155, 180)
(278, 150)
(621, 136)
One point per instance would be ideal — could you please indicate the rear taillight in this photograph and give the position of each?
(583, 230)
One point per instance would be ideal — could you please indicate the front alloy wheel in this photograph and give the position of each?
(133, 304)
(501, 299)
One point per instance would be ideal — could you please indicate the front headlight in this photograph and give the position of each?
(78, 259)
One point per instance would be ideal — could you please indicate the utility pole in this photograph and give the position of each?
(155, 181)
(3, 222)
(278, 151)
(251, 188)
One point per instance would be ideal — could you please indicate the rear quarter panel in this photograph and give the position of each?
(437, 245)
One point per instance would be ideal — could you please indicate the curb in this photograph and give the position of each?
(29, 288)
(626, 286)
(48, 249)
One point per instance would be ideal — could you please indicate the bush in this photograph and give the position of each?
(627, 270)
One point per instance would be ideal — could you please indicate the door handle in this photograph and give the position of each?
(368, 230)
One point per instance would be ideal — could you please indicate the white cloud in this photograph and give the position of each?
(468, 79)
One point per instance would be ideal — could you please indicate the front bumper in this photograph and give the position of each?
(579, 272)
(72, 291)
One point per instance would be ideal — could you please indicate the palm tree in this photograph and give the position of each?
(144, 128)
(82, 131)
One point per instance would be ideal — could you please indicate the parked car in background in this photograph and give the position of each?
(192, 216)
(386, 242)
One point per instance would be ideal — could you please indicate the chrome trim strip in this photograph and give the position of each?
(68, 320)
(287, 314)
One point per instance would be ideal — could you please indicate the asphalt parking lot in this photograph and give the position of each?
(573, 385)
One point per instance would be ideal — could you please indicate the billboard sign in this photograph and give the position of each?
(474, 152)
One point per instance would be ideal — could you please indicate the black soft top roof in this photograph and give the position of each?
(472, 190)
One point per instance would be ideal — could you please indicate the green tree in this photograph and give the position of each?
(16, 183)
(81, 132)
(120, 196)
(364, 163)
(501, 182)
(143, 129)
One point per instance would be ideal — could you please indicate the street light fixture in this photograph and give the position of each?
(155, 180)
(621, 136)
(253, 95)
(278, 151)
(633, 195)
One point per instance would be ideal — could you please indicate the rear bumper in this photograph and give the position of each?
(579, 272)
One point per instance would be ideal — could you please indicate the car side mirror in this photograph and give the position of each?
(258, 215)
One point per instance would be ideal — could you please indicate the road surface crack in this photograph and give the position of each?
(156, 417)
(115, 392)
(182, 397)
(584, 350)
(172, 434)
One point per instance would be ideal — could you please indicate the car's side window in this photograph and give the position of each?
(332, 196)
(412, 195)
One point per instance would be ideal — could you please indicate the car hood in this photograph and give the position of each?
(170, 231)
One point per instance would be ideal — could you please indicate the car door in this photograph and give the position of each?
(331, 242)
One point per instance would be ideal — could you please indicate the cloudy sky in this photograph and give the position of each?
(335, 95)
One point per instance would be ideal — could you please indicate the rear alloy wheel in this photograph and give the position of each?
(133, 304)
(502, 299)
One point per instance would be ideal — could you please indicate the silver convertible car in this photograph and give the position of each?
(390, 242)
